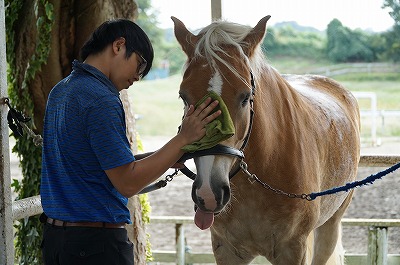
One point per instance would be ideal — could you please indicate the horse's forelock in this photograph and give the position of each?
(221, 33)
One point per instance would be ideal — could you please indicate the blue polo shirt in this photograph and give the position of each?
(84, 134)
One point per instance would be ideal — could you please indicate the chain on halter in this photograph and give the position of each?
(161, 183)
(253, 178)
(312, 196)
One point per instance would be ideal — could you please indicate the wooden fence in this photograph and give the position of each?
(377, 244)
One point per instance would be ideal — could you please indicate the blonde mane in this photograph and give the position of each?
(222, 33)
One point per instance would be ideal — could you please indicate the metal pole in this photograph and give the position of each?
(27, 207)
(6, 220)
(216, 10)
(374, 110)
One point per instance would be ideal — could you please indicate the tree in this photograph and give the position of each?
(291, 39)
(395, 6)
(392, 36)
(345, 45)
(43, 37)
(147, 20)
(166, 49)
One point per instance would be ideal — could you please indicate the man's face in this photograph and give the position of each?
(126, 71)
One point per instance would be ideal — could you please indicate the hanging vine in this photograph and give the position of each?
(27, 235)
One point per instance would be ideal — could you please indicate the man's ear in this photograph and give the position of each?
(118, 43)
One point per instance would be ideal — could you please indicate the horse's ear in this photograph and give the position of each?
(255, 36)
(185, 38)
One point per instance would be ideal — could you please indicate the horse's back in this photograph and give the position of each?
(336, 111)
(322, 90)
(332, 108)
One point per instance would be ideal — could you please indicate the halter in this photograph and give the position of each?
(220, 149)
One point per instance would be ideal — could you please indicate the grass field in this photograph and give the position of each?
(158, 106)
(160, 110)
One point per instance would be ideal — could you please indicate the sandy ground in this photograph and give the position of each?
(380, 200)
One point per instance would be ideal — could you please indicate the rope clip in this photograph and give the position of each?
(14, 119)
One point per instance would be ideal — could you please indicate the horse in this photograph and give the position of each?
(299, 134)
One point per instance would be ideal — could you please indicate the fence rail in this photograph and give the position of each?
(377, 243)
(341, 69)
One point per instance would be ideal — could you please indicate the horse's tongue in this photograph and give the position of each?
(203, 220)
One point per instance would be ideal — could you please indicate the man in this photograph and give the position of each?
(88, 169)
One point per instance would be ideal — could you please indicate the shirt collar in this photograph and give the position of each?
(78, 66)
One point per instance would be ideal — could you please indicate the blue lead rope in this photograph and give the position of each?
(352, 185)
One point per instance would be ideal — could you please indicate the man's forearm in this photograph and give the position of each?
(141, 156)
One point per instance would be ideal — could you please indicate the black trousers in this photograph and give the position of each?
(86, 246)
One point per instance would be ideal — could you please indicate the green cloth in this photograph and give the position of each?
(218, 130)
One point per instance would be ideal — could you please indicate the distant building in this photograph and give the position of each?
(159, 72)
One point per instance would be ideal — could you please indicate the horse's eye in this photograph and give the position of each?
(246, 99)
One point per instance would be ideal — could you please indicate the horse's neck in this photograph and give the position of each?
(273, 109)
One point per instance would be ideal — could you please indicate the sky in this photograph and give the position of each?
(195, 14)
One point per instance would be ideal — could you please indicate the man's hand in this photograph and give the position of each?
(195, 120)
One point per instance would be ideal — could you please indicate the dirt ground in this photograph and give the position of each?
(380, 200)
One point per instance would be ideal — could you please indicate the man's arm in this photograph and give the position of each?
(144, 155)
(131, 178)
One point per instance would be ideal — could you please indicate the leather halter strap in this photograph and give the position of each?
(219, 149)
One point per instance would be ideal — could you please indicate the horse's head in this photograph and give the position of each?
(220, 59)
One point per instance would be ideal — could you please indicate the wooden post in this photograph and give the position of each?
(180, 244)
(6, 223)
(377, 246)
(216, 10)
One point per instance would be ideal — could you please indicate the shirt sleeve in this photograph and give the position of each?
(106, 130)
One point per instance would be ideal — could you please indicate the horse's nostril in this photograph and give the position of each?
(226, 194)
(201, 201)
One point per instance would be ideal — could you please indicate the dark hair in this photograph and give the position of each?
(136, 40)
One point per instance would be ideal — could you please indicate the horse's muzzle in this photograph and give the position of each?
(211, 200)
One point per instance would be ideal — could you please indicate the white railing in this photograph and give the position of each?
(341, 69)
(373, 111)
(377, 243)
(373, 115)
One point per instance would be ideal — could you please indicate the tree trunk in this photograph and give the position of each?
(74, 21)
(136, 230)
